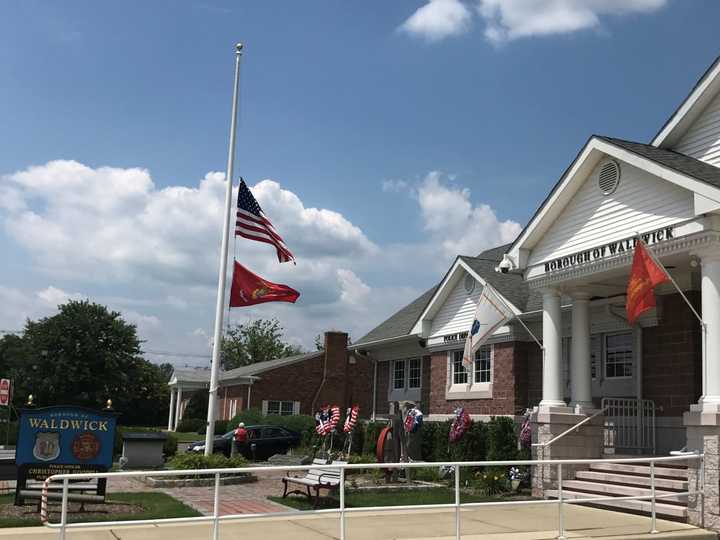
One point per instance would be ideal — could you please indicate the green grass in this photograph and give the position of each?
(189, 436)
(156, 506)
(389, 498)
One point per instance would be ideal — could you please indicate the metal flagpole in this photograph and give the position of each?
(500, 297)
(222, 274)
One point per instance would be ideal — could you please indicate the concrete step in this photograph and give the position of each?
(632, 480)
(661, 509)
(622, 491)
(627, 468)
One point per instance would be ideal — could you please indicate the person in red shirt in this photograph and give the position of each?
(240, 438)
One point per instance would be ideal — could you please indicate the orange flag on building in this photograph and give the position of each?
(646, 274)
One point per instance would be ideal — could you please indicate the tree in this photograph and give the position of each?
(256, 341)
(84, 356)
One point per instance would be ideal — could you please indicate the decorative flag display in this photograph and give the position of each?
(491, 313)
(249, 289)
(461, 423)
(326, 420)
(646, 274)
(4, 392)
(252, 224)
(351, 417)
(413, 420)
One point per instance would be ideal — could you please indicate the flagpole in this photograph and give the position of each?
(222, 274)
(500, 297)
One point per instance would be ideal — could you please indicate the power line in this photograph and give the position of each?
(183, 355)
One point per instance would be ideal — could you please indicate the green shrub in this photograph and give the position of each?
(191, 425)
(192, 460)
(249, 417)
(501, 439)
(221, 427)
(371, 433)
(491, 481)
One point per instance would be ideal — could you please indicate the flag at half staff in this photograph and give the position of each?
(252, 224)
(249, 289)
(491, 313)
(646, 274)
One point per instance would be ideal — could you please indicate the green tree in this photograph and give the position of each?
(85, 355)
(256, 341)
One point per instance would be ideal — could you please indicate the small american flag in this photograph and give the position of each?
(253, 225)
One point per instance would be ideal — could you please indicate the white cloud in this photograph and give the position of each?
(455, 223)
(438, 19)
(53, 296)
(513, 19)
(394, 186)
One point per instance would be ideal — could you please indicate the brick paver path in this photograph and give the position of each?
(238, 499)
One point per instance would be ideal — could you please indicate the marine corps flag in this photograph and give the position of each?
(647, 273)
(248, 289)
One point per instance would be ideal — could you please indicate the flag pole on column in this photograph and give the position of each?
(222, 273)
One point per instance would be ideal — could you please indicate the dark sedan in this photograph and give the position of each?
(262, 442)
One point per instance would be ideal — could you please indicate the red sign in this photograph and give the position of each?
(4, 392)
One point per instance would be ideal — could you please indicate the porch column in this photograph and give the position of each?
(171, 409)
(552, 361)
(710, 292)
(580, 368)
(178, 405)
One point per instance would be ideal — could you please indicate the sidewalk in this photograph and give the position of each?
(491, 523)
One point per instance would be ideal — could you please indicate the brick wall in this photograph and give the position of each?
(348, 381)
(672, 356)
(509, 370)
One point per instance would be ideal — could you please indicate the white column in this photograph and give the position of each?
(580, 368)
(710, 291)
(171, 409)
(178, 406)
(552, 361)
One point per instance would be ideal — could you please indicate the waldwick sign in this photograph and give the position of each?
(611, 248)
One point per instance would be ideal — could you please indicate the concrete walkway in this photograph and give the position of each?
(531, 522)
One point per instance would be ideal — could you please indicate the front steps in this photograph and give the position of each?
(625, 479)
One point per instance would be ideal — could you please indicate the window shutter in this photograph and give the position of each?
(264, 407)
(296, 407)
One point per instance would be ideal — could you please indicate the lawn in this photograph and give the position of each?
(189, 436)
(154, 505)
(392, 498)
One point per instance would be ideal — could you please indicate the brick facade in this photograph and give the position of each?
(348, 381)
(510, 375)
(672, 356)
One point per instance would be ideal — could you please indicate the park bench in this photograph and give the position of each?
(315, 479)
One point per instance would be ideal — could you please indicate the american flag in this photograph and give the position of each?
(253, 225)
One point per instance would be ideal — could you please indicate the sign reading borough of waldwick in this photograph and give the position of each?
(55, 440)
(611, 248)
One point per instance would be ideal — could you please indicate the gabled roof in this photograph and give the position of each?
(202, 375)
(511, 286)
(691, 107)
(685, 171)
(262, 367)
(401, 322)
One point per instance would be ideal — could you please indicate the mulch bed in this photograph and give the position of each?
(89, 510)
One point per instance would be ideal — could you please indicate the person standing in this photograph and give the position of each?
(239, 439)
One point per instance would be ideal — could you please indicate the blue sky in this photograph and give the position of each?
(375, 121)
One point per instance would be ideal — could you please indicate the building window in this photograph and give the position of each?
(414, 373)
(399, 375)
(619, 355)
(280, 408)
(483, 365)
(459, 373)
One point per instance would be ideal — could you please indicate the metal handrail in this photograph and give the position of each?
(216, 518)
(575, 427)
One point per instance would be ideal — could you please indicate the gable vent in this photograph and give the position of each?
(609, 177)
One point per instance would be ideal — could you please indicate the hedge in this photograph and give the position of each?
(191, 425)
(221, 427)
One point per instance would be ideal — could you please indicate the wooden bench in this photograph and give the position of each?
(315, 479)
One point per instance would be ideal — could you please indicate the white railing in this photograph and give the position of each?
(576, 427)
(629, 424)
(342, 511)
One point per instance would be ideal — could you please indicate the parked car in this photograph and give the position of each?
(262, 442)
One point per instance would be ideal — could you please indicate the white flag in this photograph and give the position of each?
(491, 313)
